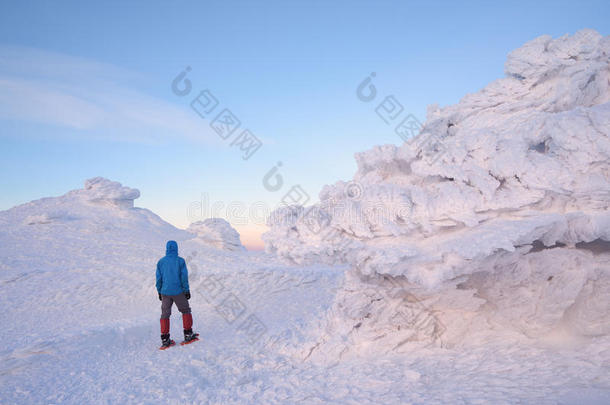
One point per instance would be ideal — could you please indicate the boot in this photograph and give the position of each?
(189, 335)
(166, 341)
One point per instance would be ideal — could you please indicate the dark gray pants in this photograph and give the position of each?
(181, 302)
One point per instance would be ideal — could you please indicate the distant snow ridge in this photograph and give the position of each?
(503, 223)
(103, 211)
(218, 233)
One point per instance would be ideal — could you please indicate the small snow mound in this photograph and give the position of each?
(218, 233)
(104, 191)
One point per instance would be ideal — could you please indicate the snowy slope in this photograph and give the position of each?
(81, 326)
(93, 234)
(77, 277)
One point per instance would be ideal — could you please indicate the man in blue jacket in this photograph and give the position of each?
(173, 286)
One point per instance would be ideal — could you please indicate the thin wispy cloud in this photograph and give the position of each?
(90, 97)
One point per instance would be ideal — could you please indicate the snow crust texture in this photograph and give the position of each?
(494, 218)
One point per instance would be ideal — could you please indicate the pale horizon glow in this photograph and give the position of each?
(86, 90)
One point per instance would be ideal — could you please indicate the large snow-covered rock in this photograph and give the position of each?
(217, 232)
(484, 219)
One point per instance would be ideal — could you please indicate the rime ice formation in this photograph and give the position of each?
(101, 190)
(494, 218)
(218, 233)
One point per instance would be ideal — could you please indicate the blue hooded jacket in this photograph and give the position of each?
(172, 275)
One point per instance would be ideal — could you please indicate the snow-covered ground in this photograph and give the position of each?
(477, 276)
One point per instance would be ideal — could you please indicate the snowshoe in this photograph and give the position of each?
(189, 337)
(166, 342)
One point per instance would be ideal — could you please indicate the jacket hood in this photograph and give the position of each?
(171, 248)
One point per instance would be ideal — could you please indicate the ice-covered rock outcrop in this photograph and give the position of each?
(104, 191)
(218, 233)
(484, 219)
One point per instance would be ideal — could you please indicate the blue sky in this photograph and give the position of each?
(85, 88)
